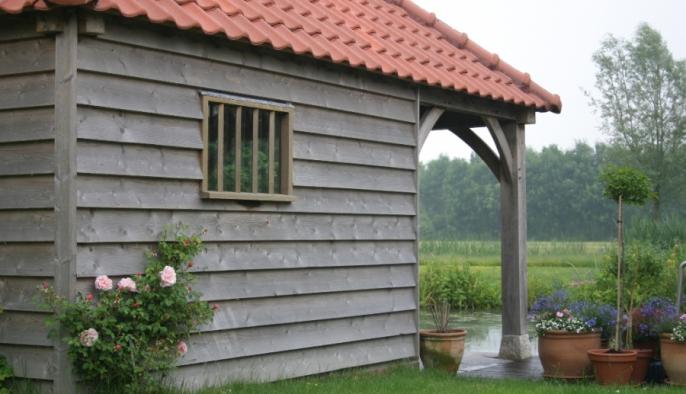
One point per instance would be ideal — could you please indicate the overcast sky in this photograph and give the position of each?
(554, 41)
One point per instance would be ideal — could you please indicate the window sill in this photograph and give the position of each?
(247, 196)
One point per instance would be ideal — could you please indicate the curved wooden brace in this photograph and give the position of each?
(480, 148)
(502, 145)
(426, 124)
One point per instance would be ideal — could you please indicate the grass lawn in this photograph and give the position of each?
(407, 380)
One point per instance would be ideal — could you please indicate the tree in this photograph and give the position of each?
(624, 185)
(641, 99)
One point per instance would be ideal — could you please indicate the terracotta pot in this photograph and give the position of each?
(673, 356)
(563, 354)
(442, 350)
(643, 357)
(612, 368)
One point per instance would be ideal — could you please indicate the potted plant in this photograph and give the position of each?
(623, 185)
(653, 317)
(441, 347)
(564, 336)
(673, 352)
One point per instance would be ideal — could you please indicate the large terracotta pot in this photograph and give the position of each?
(442, 350)
(673, 356)
(643, 357)
(563, 354)
(612, 368)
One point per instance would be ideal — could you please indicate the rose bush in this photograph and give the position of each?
(126, 336)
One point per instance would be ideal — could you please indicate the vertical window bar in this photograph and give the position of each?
(220, 149)
(270, 171)
(239, 112)
(287, 154)
(255, 147)
(205, 142)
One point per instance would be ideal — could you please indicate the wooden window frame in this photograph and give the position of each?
(286, 149)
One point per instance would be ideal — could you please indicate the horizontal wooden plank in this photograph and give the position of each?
(279, 283)
(142, 193)
(220, 286)
(224, 345)
(136, 62)
(31, 362)
(339, 150)
(220, 50)
(128, 127)
(19, 293)
(27, 158)
(27, 226)
(93, 260)
(31, 90)
(136, 160)
(295, 364)
(346, 176)
(27, 125)
(105, 226)
(34, 259)
(25, 192)
(340, 124)
(24, 328)
(26, 56)
(285, 310)
(127, 94)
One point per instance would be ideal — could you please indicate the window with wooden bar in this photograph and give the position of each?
(247, 152)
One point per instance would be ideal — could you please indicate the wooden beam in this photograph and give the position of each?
(501, 143)
(480, 148)
(91, 24)
(65, 184)
(426, 124)
(468, 104)
(515, 341)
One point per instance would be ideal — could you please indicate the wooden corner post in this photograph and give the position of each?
(515, 343)
(65, 188)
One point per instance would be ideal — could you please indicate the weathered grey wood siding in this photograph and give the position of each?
(27, 222)
(323, 283)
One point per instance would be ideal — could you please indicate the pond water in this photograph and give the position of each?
(483, 330)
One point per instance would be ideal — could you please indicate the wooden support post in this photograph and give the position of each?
(65, 187)
(515, 343)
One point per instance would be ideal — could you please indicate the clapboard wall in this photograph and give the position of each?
(323, 283)
(27, 221)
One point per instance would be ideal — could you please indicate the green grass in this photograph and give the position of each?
(409, 380)
(544, 254)
(550, 264)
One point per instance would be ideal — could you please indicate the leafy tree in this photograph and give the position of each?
(642, 101)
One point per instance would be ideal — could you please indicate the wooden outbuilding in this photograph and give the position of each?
(290, 130)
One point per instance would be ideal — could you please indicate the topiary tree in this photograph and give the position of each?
(624, 185)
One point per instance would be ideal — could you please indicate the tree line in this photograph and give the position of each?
(460, 199)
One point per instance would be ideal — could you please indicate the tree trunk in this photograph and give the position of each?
(620, 252)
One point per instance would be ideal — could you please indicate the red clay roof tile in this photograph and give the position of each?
(394, 37)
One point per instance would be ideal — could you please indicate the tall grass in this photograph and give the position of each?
(492, 248)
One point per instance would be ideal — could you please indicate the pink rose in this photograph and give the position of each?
(127, 284)
(167, 276)
(559, 314)
(182, 348)
(683, 318)
(88, 337)
(103, 283)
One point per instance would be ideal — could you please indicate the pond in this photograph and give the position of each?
(483, 330)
